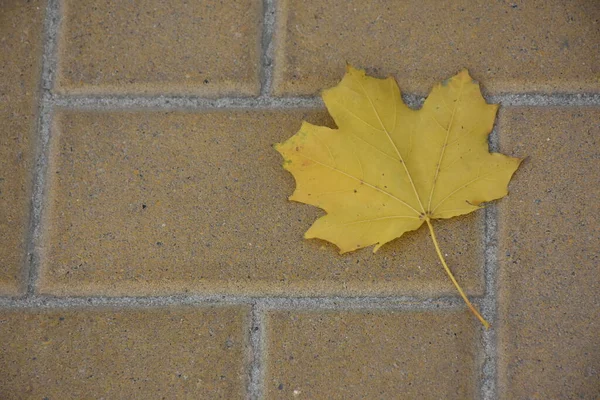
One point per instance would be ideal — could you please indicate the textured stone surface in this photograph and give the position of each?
(145, 202)
(20, 65)
(371, 355)
(168, 353)
(150, 46)
(550, 248)
(510, 46)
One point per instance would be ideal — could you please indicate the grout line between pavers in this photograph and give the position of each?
(168, 102)
(258, 342)
(266, 303)
(268, 31)
(545, 100)
(51, 23)
(50, 43)
(182, 102)
(489, 303)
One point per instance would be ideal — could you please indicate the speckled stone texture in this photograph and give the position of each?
(524, 46)
(147, 47)
(371, 355)
(550, 248)
(155, 203)
(170, 263)
(158, 353)
(20, 66)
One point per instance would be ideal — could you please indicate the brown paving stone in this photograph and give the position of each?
(150, 46)
(371, 355)
(166, 353)
(510, 46)
(149, 202)
(20, 64)
(549, 253)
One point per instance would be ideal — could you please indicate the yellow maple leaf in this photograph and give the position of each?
(389, 169)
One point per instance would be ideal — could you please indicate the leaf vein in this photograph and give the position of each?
(393, 144)
(362, 181)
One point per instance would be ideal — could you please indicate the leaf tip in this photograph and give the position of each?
(464, 74)
(350, 70)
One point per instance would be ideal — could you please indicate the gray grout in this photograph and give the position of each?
(268, 30)
(266, 303)
(489, 304)
(255, 388)
(182, 102)
(167, 103)
(488, 382)
(546, 100)
(258, 341)
(50, 43)
(49, 63)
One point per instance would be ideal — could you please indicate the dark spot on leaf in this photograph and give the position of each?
(355, 191)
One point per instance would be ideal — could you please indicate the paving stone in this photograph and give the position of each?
(154, 47)
(509, 46)
(371, 355)
(156, 203)
(549, 254)
(20, 65)
(166, 353)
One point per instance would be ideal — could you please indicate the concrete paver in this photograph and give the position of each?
(155, 203)
(164, 353)
(371, 355)
(150, 47)
(549, 249)
(533, 46)
(20, 66)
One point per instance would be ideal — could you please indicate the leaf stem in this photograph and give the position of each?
(462, 294)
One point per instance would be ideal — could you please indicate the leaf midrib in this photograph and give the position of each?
(412, 184)
(442, 153)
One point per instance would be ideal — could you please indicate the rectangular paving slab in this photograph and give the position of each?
(20, 68)
(371, 355)
(150, 46)
(165, 353)
(549, 253)
(510, 46)
(155, 203)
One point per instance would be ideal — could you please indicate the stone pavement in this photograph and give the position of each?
(148, 249)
